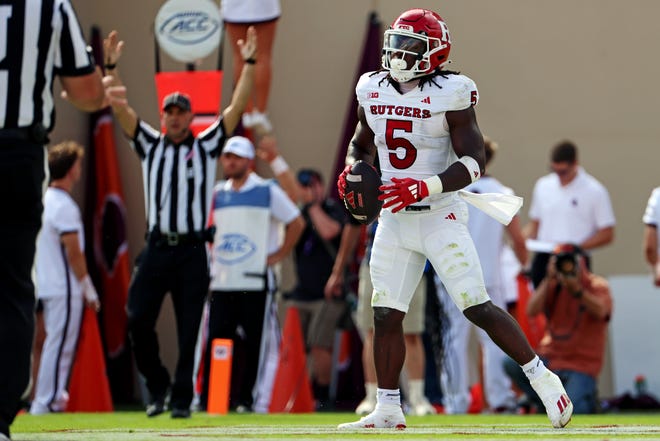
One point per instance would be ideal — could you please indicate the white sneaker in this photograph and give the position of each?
(38, 409)
(61, 403)
(365, 407)
(383, 417)
(422, 408)
(557, 404)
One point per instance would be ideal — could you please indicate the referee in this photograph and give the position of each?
(179, 174)
(39, 39)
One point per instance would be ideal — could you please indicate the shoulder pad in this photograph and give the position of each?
(461, 92)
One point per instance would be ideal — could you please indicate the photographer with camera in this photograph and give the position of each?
(578, 306)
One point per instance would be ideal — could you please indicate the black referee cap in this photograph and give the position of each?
(181, 100)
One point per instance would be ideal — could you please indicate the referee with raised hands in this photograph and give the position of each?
(39, 39)
(179, 174)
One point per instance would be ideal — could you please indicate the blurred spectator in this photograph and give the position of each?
(434, 344)
(248, 213)
(510, 269)
(488, 235)
(238, 15)
(578, 307)
(568, 206)
(651, 240)
(315, 254)
(63, 283)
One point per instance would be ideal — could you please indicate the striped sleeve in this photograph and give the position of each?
(213, 138)
(74, 56)
(144, 139)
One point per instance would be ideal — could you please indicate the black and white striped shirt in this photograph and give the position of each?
(38, 40)
(178, 179)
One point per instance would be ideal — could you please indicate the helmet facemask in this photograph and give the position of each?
(403, 48)
(417, 43)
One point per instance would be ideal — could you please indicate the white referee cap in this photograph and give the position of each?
(239, 146)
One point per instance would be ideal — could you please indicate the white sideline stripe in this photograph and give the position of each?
(532, 431)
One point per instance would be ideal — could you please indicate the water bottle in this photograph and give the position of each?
(640, 385)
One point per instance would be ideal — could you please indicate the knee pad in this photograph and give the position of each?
(453, 261)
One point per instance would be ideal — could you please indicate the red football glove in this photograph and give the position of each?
(341, 181)
(403, 192)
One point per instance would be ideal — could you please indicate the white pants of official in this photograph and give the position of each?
(454, 372)
(62, 316)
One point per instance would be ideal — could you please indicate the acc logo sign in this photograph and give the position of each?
(188, 29)
(234, 248)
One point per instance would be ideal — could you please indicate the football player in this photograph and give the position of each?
(419, 118)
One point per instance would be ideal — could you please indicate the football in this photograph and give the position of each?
(361, 198)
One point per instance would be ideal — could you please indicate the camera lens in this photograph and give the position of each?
(567, 263)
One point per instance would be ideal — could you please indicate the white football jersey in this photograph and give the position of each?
(410, 129)
(61, 216)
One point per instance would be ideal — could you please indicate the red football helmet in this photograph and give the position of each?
(417, 42)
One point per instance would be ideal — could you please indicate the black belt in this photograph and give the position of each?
(160, 239)
(417, 208)
(36, 134)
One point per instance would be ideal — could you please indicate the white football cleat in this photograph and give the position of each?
(557, 404)
(365, 407)
(383, 417)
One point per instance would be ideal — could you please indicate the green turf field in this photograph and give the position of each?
(125, 426)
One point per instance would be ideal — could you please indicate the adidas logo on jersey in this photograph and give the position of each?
(451, 216)
(427, 100)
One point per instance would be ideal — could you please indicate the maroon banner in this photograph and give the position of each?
(106, 242)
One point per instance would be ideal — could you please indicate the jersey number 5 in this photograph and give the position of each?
(394, 143)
